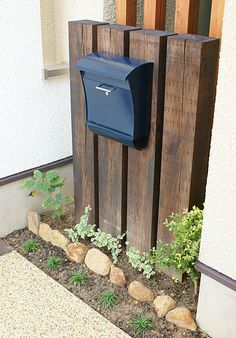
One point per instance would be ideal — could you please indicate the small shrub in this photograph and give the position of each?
(99, 238)
(141, 324)
(48, 184)
(79, 278)
(108, 299)
(30, 246)
(182, 253)
(53, 263)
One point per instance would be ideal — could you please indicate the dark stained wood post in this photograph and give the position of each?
(112, 168)
(82, 40)
(144, 165)
(191, 73)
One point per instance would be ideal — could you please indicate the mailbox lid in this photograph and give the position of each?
(116, 67)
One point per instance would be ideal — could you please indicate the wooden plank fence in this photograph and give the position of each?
(131, 190)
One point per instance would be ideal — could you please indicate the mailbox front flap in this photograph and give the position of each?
(116, 67)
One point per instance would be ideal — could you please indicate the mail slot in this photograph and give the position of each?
(118, 97)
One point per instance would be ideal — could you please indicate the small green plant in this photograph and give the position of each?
(30, 246)
(140, 261)
(141, 324)
(99, 238)
(53, 263)
(48, 184)
(108, 299)
(79, 278)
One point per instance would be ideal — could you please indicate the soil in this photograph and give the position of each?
(126, 309)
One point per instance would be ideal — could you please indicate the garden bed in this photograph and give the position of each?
(127, 308)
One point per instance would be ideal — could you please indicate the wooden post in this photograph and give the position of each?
(191, 73)
(112, 164)
(144, 165)
(126, 12)
(186, 16)
(82, 40)
(154, 14)
(216, 22)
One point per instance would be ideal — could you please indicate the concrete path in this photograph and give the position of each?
(34, 305)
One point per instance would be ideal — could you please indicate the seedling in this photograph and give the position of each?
(53, 263)
(108, 299)
(79, 278)
(141, 324)
(30, 246)
(48, 184)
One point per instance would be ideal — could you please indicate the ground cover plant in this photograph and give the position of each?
(141, 324)
(48, 184)
(108, 299)
(53, 263)
(99, 238)
(30, 246)
(79, 278)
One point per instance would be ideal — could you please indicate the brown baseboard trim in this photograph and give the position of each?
(29, 172)
(216, 275)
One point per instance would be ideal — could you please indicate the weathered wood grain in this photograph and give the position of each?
(191, 72)
(82, 40)
(112, 168)
(154, 14)
(144, 165)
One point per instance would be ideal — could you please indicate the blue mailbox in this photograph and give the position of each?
(118, 97)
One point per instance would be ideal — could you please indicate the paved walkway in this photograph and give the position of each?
(34, 305)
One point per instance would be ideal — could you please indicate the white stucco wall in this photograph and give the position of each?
(218, 248)
(35, 125)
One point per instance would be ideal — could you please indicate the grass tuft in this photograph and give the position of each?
(53, 263)
(141, 324)
(30, 246)
(79, 278)
(108, 299)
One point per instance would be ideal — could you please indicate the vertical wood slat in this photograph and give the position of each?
(126, 12)
(112, 163)
(82, 40)
(144, 165)
(186, 16)
(189, 107)
(154, 14)
(216, 21)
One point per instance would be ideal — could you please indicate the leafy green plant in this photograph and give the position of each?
(53, 263)
(141, 324)
(79, 278)
(99, 238)
(182, 253)
(108, 299)
(140, 261)
(48, 184)
(30, 246)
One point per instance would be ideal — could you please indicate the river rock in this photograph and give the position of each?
(181, 316)
(117, 276)
(140, 292)
(163, 304)
(98, 262)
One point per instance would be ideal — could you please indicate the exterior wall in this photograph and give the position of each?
(216, 309)
(35, 126)
(15, 203)
(218, 249)
(217, 303)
